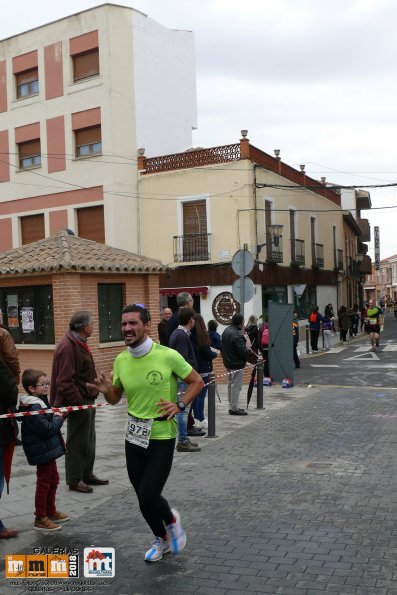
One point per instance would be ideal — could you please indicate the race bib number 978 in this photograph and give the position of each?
(138, 431)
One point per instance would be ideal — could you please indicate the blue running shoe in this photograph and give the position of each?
(157, 551)
(176, 535)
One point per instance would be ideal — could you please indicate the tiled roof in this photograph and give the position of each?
(71, 253)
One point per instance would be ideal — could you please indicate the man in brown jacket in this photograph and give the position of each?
(9, 379)
(73, 366)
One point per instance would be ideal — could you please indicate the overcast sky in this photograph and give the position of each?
(313, 78)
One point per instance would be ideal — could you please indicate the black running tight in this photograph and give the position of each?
(148, 470)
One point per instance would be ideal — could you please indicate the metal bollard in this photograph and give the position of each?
(259, 384)
(307, 339)
(211, 408)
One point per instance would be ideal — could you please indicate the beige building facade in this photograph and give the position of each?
(214, 201)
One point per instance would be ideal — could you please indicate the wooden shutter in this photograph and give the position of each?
(29, 149)
(195, 238)
(88, 136)
(292, 233)
(32, 228)
(91, 224)
(86, 65)
(194, 217)
(268, 222)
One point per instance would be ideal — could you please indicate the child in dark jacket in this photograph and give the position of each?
(43, 444)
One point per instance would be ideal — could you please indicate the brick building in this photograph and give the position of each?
(44, 283)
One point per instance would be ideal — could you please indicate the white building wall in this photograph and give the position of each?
(165, 87)
(327, 294)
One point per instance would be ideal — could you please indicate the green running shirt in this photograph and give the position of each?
(147, 379)
(373, 315)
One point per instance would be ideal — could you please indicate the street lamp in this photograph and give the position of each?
(275, 232)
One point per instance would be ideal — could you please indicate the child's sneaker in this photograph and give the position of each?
(46, 525)
(157, 551)
(176, 535)
(59, 517)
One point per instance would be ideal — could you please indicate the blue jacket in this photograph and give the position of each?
(41, 437)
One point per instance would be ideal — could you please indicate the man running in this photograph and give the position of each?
(147, 372)
(373, 324)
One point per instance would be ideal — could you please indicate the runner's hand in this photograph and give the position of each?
(101, 383)
(167, 408)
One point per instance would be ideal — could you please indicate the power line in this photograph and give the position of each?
(172, 197)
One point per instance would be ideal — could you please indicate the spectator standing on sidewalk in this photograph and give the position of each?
(355, 320)
(180, 342)
(43, 444)
(204, 356)
(72, 368)
(235, 355)
(295, 340)
(363, 315)
(163, 326)
(263, 342)
(216, 341)
(327, 331)
(315, 320)
(345, 322)
(253, 335)
(329, 311)
(183, 300)
(9, 380)
(147, 373)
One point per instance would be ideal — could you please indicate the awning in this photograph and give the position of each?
(192, 290)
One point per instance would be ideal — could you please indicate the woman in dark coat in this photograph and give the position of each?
(204, 356)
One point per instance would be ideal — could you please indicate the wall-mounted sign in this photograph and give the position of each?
(12, 311)
(27, 320)
(224, 307)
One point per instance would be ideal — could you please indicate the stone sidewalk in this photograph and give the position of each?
(295, 499)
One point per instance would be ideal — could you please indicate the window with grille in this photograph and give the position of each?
(29, 154)
(28, 313)
(110, 304)
(27, 83)
(85, 65)
(88, 141)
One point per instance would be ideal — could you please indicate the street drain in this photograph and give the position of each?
(318, 465)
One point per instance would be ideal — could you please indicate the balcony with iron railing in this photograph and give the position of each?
(192, 247)
(319, 255)
(297, 252)
(274, 250)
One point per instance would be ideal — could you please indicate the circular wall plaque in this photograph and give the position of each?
(224, 307)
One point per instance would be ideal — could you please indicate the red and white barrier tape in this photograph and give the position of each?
(70, 408)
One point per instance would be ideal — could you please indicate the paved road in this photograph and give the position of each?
(298, 499)
(353, 364)
(295, 499)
